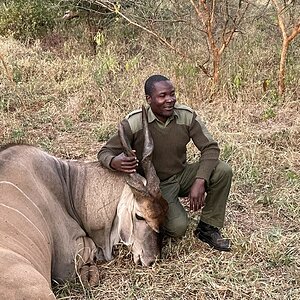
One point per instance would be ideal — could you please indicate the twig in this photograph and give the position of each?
(8, 73)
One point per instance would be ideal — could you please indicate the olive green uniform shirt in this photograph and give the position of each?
(170, 142)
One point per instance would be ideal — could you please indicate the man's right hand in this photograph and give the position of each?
(123, 163)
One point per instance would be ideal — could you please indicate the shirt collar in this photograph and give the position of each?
(152, 117)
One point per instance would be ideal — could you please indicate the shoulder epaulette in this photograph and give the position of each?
(183, 107)
(134, 112)
(184, 114)
(134, 119)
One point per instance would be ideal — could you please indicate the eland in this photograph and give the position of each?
(59, 217)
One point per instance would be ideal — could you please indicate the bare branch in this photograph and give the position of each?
(280, 18)
(295, 32)
(199, 13)
(212, 13)
(116, 9)
(8, 73)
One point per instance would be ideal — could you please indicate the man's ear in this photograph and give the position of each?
(148, 98)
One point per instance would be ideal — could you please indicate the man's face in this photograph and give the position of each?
(162, 100)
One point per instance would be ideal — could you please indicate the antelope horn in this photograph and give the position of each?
(124, 141)
(150, 173)
(133, 179)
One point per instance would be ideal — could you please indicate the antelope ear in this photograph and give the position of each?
(124, 217)
(136, 181)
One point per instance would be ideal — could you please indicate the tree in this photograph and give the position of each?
(219, 34)
(290, 28)
(215, 21)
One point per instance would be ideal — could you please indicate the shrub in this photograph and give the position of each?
(27, 19)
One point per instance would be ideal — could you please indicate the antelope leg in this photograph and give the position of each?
(86, 261)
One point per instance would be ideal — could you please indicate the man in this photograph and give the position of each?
(206, 182)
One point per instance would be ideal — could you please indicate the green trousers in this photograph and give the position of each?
(217, 190)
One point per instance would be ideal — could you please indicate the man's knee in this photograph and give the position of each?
(176, 227)
(223, 170)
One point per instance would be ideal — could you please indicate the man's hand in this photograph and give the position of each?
(123, 163)
(197, 194)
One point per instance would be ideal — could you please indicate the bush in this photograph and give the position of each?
(27, 19)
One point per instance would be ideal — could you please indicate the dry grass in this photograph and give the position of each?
(70, 104)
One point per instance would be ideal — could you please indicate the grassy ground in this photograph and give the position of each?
(69, 103)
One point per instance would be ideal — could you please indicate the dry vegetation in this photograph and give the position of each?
(68, 103)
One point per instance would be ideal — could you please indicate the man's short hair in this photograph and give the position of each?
(149, 84)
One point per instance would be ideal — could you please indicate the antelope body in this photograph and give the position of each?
(58, 217)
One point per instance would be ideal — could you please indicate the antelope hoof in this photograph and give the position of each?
(89, 275)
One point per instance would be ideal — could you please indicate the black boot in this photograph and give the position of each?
(212, 236)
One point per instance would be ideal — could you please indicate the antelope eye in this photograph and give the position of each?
(139, 217)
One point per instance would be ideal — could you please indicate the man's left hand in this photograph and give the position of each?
(197, 194)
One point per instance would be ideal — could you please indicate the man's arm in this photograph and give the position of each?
(209, 158)
(207, 146)
(112, 157)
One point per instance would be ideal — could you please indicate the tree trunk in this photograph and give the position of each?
(216, 66)
(282, 67)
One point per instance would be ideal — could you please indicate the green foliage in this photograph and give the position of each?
(227, 152)
(251, 174)
(278, 258)
(17, 74)
(17, 135)
(45, 143)
(292, 176)
(103, 132)
(68, 125)
(133, 63)
(269, 113)
(235, 85)
(187, 70)
(27, 19)
(4, 104)
(108, 66)
(99, 38)
(237, 81)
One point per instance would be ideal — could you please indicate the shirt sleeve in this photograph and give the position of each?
(113, 146)
(207, 146)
